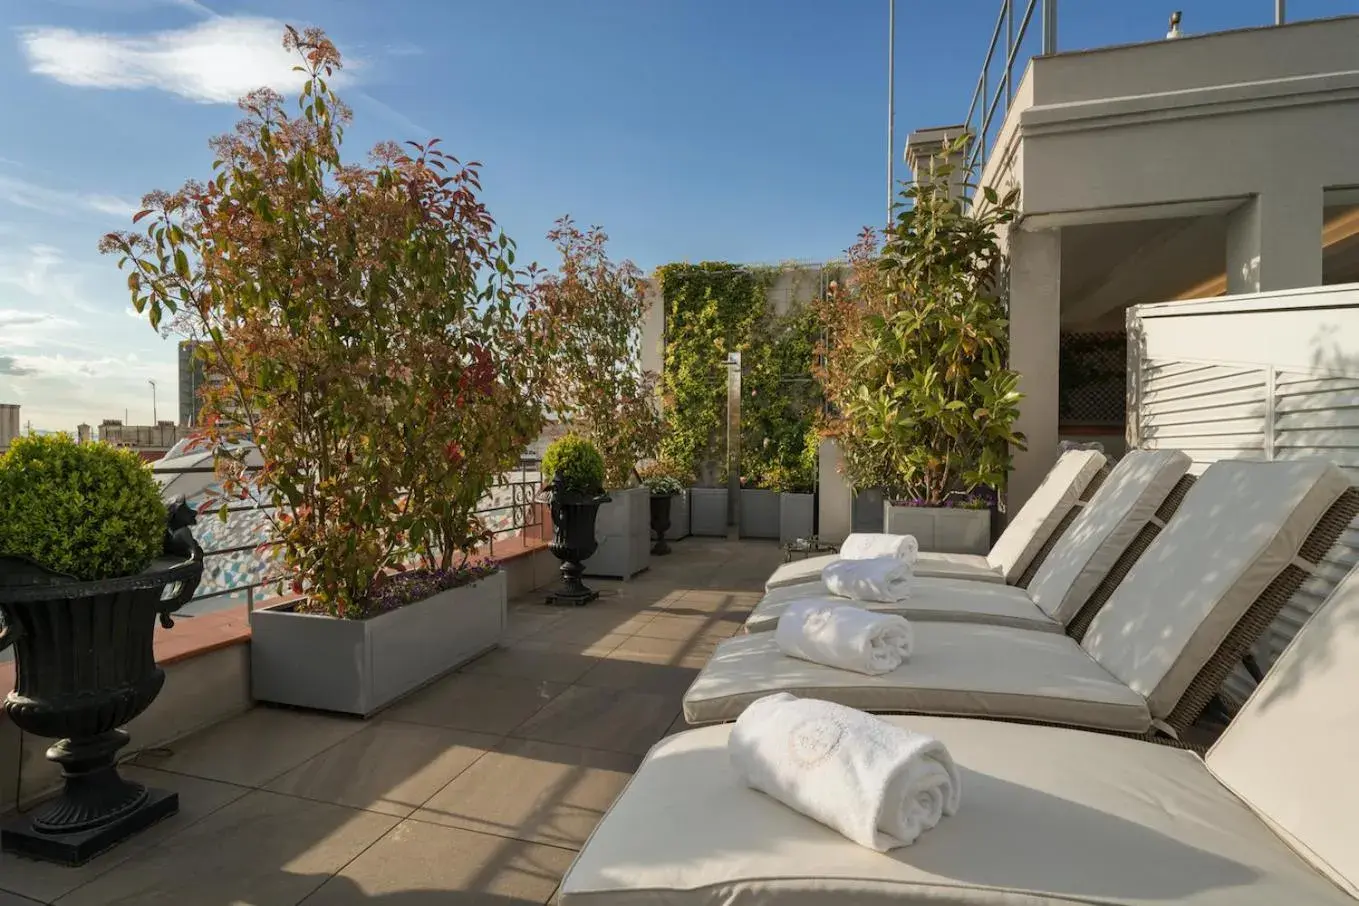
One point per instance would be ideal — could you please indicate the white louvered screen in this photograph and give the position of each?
(1188, 394)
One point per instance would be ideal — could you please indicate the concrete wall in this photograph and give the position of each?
(9, 423)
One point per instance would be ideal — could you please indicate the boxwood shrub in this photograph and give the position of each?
(90, 511)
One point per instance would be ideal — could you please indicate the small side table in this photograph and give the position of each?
(802, 548)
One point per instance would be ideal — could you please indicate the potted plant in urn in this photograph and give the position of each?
(573, 475)
(924, 400)
(665, 489)
(365, 329)
(89, 562)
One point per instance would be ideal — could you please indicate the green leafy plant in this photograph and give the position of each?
(578, 462)
(90, 511)
(595, 308)
(925, 403)
(367, 328)
(662, 479)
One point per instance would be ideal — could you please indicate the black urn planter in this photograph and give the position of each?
(660, 522)
(573, 541)
(84, 667)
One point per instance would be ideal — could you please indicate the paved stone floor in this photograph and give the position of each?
(478, 789)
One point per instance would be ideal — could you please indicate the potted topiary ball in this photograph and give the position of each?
(89, 560)
(573, 473)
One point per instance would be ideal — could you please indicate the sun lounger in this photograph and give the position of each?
(1243, 540)
(1076, 578)
(1037, 524)
(1048, 816)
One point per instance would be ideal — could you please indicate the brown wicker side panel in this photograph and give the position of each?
(1032, 569)
(1262, 613)
(1086, 615)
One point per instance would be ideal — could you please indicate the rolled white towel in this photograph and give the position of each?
(844, 636)
(880, 785)
(883, 579)
(863, 545)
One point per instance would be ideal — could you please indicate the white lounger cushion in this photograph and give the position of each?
(1081, 559)
(952, 566)
(1014, 550)
(1040, 515)
(1104, 529)
(1048, 816)
(931, 599)
(1292, 751)
(955, 669)
(1239, 527)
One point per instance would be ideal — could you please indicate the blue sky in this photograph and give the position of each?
(744, 130)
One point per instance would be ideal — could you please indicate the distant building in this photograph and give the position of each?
(191, 382)
(9, 424)
(151, 441)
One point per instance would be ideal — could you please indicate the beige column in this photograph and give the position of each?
(1274, 241)
(1035, 314)
(835, 501)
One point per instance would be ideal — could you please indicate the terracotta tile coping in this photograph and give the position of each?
(196, 636)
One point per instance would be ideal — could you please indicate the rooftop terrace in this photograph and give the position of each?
(479, 788)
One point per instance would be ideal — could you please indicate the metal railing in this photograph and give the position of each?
(993, 95)
(509, 509)
(990, 99)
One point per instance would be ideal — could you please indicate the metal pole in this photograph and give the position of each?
(891, 105)
(1049, 27)
(1280, 12)
(1009, 49)
(733, 438)
(154, 413)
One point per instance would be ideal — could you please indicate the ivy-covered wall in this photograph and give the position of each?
(714, 308)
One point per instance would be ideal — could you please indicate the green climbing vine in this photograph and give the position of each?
(714, 308)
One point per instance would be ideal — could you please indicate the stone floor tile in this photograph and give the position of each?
(255, 747)
(534, 791)
(421, 864)
(530, 659)
(390, 767)
(264, 849)
(481, 703)
(46, 881)
(598, 718)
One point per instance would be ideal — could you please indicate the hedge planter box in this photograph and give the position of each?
(708, 512)
(679, 516)
(796, 516)
(941, 529)
(759, 513)
(623, 528)
(361, 666)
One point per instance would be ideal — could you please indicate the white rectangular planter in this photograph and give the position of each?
(679, 516)
(796, 514)
(361, 666)
(623, 528)
(759, 513)
(708, 512)
(941, 530)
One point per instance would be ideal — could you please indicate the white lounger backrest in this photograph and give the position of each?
(1239, 527)
(1040, 515)
(1292, 752)
(1104, 529)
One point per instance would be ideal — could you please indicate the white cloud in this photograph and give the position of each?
(215, 61)
(24, 194)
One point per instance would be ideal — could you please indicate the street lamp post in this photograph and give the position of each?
(154, 414)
